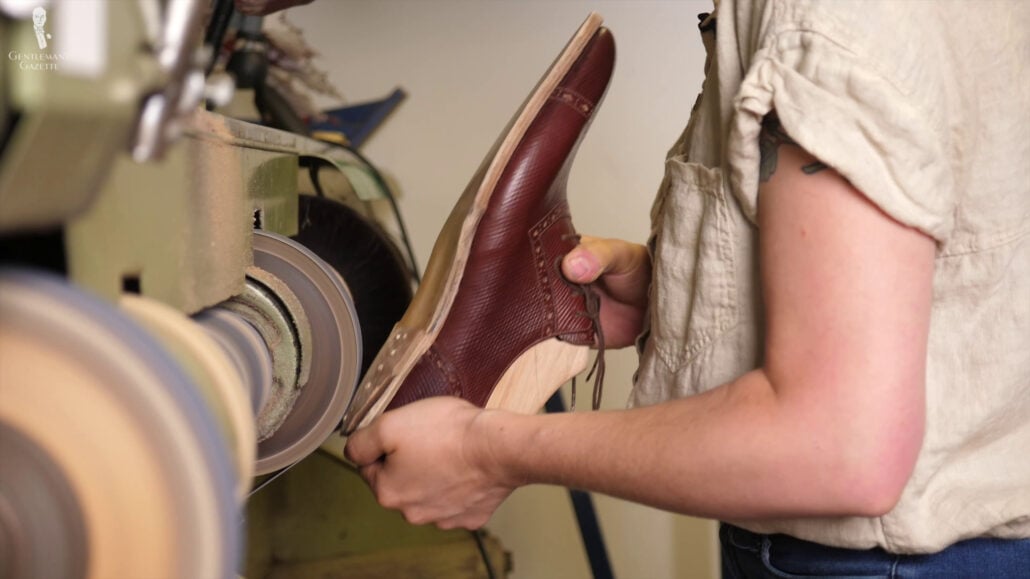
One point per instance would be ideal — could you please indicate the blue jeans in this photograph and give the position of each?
(750, 555)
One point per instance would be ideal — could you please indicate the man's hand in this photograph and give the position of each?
(622, 271)
(427, 460)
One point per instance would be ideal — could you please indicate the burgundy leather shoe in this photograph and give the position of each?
(494, 321)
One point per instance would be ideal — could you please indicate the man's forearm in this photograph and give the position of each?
(736, 452)
(832, 424)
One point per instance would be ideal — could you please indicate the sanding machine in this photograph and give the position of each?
(185, 305)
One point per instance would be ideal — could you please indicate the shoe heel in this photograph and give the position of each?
(535, 375)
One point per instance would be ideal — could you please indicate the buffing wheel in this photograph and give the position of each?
(38, 509)
(211, 369)
(246, 349)
(335, 349)
(149, 472)
(367, 258)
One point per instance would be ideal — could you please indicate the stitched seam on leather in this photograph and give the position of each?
(573, 100)
(541, 261)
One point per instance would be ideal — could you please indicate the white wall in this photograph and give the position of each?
(467, 65)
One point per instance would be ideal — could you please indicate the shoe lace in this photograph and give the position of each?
(592, 311)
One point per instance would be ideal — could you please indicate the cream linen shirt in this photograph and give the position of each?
(925, 108)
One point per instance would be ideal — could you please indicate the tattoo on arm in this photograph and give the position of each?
(769, 142)
(813, 167)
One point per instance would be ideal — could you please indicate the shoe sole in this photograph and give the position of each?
(545, 366)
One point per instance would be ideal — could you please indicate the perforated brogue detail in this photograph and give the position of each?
(510, 297)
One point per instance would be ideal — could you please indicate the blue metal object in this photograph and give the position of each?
(357, 122)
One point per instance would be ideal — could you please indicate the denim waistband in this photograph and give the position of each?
(747, 554)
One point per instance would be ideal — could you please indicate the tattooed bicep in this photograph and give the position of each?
(770, 139)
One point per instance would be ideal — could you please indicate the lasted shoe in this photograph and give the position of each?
(494, 321)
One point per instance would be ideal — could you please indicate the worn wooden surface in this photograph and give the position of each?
(536, 374)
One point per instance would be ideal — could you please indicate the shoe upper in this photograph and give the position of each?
(512, 294)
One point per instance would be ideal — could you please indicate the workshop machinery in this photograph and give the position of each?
(179, 338)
